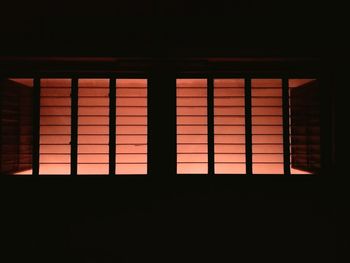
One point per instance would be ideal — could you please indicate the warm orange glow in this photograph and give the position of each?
(296, 83)
(229, 126)
(55, 107)
(93, 126)
(131, 126)
(192, 139)
(267, 123)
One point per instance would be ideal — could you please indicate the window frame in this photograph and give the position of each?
(284, 77)
(209, 75)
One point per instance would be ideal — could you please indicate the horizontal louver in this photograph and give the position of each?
(99, 143)
(93, 126)
(267, 125)
(55, 123)
(191, 126)
(131, 126)
(229, 126)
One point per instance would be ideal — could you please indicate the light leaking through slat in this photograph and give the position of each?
(191, 126)
(92, 93)
(229, 126)
(192, 131)
(55, 108)
(267, 125)
(131, 126)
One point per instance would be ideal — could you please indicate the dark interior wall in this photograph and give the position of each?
(172, 28)
(187, 220)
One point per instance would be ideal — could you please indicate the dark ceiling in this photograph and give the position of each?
(168, 28)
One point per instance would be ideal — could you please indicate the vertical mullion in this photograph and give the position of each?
(248, 126)
(112, 125)
(286, 142)
(74, 127)
(326, 123)
(161, 132)
(18, 135)
(1, 130)
(36, 126)
(150, 146)
(210, 110)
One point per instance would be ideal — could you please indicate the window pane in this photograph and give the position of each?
(93, 126)
(229, 126)
(55, 119)
(131, 126)
(191, 128)
(267, 123)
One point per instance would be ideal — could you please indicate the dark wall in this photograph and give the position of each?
(172, 28)
(185, 219)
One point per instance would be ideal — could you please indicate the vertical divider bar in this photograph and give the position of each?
(210, 111)
(18, 135)
(286, 142)
(248, 126)
(173, 123)
(149, 149)
(1, 130)
(174, 138)
(161, 132)
(36, 127)
(74, 127)
(148, 158)
(326, 123)
(151, 120)
(112, 126)
(149, 124)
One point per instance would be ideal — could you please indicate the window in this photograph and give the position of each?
(282, 128)
(74, 132)
(99, 126)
